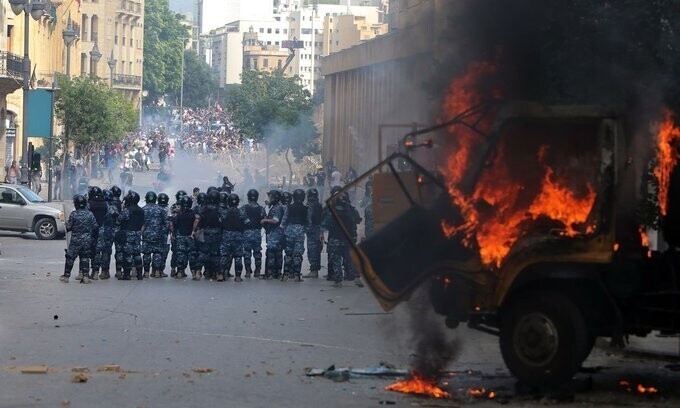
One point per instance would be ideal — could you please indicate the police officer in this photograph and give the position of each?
(227, 186)
(174, 209)
(154, 235)
(274, 235)
(208, 224)
(286, 199)
(131, 222)
(81, 223)
(181, 227)
(107, 229)
(252, 235)
(163, 201)
(338, 245)
(314, 242)
(118, 237)
(233, 222)
(99, 208)
(296, 220)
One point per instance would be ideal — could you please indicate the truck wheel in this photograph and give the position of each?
(45, 228)
(543, 338)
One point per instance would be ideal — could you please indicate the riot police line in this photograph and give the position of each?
(205, 235)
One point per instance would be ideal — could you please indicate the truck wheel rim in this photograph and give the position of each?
(536, 340)
(46, 229)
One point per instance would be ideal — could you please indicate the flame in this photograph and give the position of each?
(492, 395)
(616, 247)
(667, 158)
(495, 231)
(644, 238)
(419, 385)
(481, 393)
(646, 390)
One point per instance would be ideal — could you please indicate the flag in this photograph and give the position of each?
(32, 80)
(219, 108)
(78, 1)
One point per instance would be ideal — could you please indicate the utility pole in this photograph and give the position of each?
(312, 83)
(181, 92)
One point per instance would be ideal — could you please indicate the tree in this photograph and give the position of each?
(199, 82)
(163, 45)
(92, 113)
(275, 110)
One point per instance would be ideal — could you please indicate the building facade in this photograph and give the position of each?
(116, 27)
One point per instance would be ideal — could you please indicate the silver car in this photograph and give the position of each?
(23, 210)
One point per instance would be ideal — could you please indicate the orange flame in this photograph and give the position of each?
(646, 390)
(667, 157)
(419, 385)
(495, 231)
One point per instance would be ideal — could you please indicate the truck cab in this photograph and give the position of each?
(539, 243)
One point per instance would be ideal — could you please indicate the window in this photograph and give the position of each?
(83, 64)
(265, 63)
(261, 30)
(306, 31)
(285, 31)
(277, 31)
(269, 31)
(280, 64)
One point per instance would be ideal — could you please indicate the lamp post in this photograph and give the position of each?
(112, 66)
(95, 56)
(181, 91)
(34, 8)
(69, 35)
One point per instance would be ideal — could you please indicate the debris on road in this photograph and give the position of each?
(203, 370)
(345, 373)
(65, 403)
(42, 369)
(79, 378)
(80, 370)
(110, 368)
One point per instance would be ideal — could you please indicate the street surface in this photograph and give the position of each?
(170, 343)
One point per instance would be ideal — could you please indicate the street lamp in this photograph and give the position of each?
(181, 90)
(34, 8)
(95, 56)
(112, 66)
(69, 35)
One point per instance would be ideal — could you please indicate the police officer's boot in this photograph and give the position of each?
(119, 272)
(220, 277)
(104, 274)
(298, 278)
(181, 274)
(196, 275)
(249, 271)
(146, 272)
(125, 274)
(177, 275)
(79, 276)
(141, 274)
(95, 273)
(257, 273)
(65, 277)
(84, 279)
(161, 274)
(173, 272)
(312, 274)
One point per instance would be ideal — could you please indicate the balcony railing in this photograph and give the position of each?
(11, 65)
(130, 7)
(127, 80)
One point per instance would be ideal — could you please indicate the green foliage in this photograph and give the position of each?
(276, 110)
(163, 47)
(199, 82)
(92, 113)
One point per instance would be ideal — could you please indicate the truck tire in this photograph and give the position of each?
(543, 338)
(45, 228)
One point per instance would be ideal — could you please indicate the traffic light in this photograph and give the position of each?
(29, 156)
(35, 164)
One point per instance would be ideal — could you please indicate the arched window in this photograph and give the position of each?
(94, 28)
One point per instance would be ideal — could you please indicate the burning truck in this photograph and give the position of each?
(530, 231)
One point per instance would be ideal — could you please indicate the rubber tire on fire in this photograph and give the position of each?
(45, 228)
(543, 337)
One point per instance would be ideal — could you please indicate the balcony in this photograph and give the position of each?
(11, 72)
(131, 8)
(127, 81)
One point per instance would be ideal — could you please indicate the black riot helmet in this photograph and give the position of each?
(313, 195)
(132, 198)
(163, 200)
(233, 200)
(344, 198)
(212, 188)
(79, 201)
(335, 190)
(274, 196)
(224, 198)
(299, 195)
(150, 197)
(96, 192)
(201, 198)
(286, 198)
(180, 194)
(108, 195)
(214, 197)
(253, 195)
(186, 202)
(116, 191)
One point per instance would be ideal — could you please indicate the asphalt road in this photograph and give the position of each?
(209, 344)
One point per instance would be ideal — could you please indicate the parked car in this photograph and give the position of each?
(23, 210)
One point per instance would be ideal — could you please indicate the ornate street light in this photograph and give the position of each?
(34, 8)
(112, 66)
(95, 56)
(69, 35)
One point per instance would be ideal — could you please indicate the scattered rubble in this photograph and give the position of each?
(42, 369)
(79, 378)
